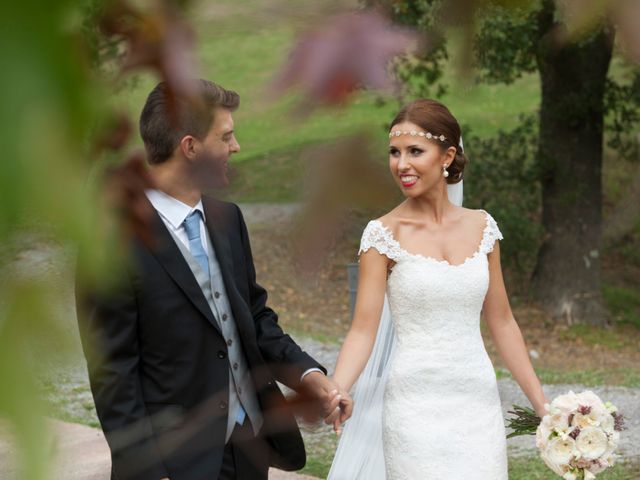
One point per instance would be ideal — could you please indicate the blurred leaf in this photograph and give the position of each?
(344, 53)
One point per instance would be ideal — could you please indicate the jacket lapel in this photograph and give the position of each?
(167, 253)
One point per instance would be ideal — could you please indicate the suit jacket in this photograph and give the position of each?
(158, 363)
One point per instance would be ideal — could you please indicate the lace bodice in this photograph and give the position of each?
(378, 236)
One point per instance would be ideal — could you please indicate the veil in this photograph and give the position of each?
(359, 455)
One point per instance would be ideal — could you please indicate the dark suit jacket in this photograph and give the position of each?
(158, 362)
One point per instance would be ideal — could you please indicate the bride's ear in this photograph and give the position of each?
(450, 155)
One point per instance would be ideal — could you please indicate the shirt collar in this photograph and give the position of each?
(172, 209)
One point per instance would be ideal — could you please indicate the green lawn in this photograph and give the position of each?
(521, 468)
(242, 47)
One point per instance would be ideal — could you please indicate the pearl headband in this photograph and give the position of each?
(413, 133)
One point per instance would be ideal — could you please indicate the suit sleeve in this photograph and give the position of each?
(108, 331)
(287, 360)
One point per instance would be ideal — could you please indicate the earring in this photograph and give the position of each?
(444, 171)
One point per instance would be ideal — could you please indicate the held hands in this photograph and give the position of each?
(342, 413)
(336, 404)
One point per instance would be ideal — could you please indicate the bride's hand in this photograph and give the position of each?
(342, 413)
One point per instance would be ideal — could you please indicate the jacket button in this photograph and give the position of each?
(222, 354)
(223, 405)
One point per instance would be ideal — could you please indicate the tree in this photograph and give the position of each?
(577, 96)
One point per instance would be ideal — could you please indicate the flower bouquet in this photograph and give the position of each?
(578, 436)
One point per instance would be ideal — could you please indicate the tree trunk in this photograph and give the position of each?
(567, 278)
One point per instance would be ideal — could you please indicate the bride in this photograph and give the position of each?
(427, 405)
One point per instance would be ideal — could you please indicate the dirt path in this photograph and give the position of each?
(81, 453)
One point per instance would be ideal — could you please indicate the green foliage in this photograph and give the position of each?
(420, 74)
(505, 43)
(503, 180)
(622, 105)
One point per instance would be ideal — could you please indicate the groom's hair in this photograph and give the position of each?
(167, 117)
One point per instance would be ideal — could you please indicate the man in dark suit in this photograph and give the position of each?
(184, 354)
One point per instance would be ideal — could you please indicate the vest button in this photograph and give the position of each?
(217, 294)
(229, 342)
(235, 366)
(224, 317)
(223, 405)
(222, 354)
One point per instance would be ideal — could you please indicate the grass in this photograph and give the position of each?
(532, 468)
(624, 377)
(593, 335)
(623, 302)
(520, 468)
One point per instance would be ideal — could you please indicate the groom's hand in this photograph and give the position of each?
(319, 389)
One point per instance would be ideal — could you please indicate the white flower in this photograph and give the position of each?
(584, 421)
(561, 450)
(570, 476)
(607, 422)
(588, 475)
(592, 442)
(553, 466)
(567, 402)
(542, 435)
(589, 398)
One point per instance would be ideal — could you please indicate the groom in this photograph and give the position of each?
(184, 356)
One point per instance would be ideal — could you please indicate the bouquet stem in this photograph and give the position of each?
(524, 421)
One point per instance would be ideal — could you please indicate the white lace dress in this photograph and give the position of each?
(442, 418)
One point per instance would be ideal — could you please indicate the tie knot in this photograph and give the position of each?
(192, 225)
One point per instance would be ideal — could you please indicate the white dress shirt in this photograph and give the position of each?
(173, 213)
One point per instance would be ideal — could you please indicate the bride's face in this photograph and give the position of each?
(416, 162)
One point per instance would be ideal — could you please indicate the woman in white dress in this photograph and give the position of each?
(432, 267)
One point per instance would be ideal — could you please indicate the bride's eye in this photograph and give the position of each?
(393, 151)
(416, 152)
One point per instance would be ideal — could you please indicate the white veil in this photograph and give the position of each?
(359, 455)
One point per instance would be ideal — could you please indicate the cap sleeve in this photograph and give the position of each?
(377, 236)
(490, 235)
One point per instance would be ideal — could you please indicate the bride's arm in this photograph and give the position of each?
(359, 341)
(507, 336)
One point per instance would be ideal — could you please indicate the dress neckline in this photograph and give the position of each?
(435, 260)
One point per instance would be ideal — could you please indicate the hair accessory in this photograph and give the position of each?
(413, 133)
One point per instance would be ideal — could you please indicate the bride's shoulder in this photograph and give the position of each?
(379, 234)
(489, 227)
(478, 216)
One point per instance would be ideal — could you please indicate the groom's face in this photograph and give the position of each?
(215, 150)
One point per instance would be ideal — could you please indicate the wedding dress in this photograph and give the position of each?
(440, 410)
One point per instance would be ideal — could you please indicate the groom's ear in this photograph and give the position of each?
(187, 147)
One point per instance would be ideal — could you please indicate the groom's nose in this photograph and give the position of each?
(235, 146)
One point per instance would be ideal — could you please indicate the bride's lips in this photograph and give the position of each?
(408, 180)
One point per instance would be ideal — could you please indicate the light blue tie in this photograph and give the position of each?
(192, 227)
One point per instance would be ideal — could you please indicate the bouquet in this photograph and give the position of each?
(578, 436)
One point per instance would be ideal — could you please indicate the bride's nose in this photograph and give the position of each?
(403, 163)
